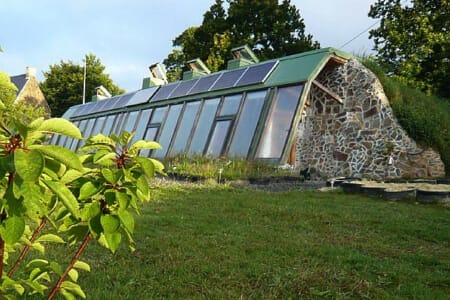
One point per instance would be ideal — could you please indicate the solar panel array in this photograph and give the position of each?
(217, 81)
(234, 78)
(130, 99)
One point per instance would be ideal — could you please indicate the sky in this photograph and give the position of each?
(128, 36)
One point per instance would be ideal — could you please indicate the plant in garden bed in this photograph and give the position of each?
(86, 196)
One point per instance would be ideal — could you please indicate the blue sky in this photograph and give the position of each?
(130, 35)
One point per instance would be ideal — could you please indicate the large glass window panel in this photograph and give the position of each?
(168, 129)
(82, 127)
(141, 125)
(203, 127)
(279, 122)
(150, 135)
(87, 131)
(108, 124)
(158, 115)
(131, 121)
(218, 138)
(246, 125)
(98, 126)
(185, 128)
(118, 123)
(230, 105)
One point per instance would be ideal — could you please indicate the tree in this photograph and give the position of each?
(270, 28)
(63, 84)
(413, 42)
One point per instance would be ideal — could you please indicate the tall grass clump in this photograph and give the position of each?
(228, 168)
(425, 118)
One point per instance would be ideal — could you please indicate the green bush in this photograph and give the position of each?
(425, 118)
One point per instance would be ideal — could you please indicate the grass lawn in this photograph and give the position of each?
(222, 243)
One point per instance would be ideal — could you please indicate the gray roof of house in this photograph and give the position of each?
(19, 81)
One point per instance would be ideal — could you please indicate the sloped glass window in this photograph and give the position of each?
(168, 129)
(87, 131)
(218, 138)
(98, 126)
(118, 123)
(75, 142)
(108, 124)
(203, 127)
(185, 128)
(131, 121)
(279, 121)
(141, 125)
(246, 125)
(230, 105)
(150, 135)
(159, 114)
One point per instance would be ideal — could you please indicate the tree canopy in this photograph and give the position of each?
(270, 28)
(413, 42)
(63, 84)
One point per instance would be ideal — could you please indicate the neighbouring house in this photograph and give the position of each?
(28, 90)
(321, 111)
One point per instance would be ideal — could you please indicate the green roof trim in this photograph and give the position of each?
(302, 67)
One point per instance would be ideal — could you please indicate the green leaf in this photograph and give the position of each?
(56, 267)
(61, 154)
(67, 295)
(70, 176)
(88, 190)
(127, 220)
(147, 166)
(123, 199)
(142, 188)
(141, 144)
(73, 288)
(65, 195)
(95, 227)
(159, 167)
(113, 240)
(52, 238)
(110, 223)
(37, 263)
(29, 165)
(73, 274)
(111, 176)
(12, 229)
(36, 123)
(81, 265)
(106, 159)
(60, 126)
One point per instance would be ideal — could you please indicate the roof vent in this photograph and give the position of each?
(243, 56)
(197, 68)
(101, 94)
(157, 76)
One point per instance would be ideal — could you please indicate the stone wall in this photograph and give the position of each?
(33, 96)
(356, 138)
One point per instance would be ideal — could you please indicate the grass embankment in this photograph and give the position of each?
(222, 243)
(425, 118)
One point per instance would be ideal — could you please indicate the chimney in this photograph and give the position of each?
(30, 72)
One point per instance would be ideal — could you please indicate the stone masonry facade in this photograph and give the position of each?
(361, 137)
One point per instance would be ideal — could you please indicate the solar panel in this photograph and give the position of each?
(164, 92)
(204, 84)
(183, 88)
(257, 74)
(142, 96)
(109, 103)
(228, 79)
(122, 101)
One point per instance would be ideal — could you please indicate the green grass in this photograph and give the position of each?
(215, 242)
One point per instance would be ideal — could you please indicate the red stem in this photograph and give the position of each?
(27, 247)
(70, 267)
(2, 253)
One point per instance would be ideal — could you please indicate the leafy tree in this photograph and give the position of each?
(7, 88)
(270, 28)
(413, 42)
(63, 84)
